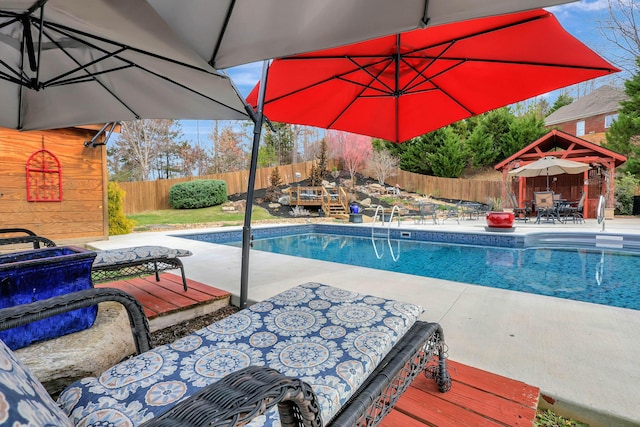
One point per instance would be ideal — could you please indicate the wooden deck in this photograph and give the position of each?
(476, 398)
(166, 302)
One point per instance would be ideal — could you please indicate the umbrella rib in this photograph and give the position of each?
(58, 80)
(92, 77)
(375, 77)
(409, 85)
(321, 82)
(223, 31)
(71, 33)
(353, 100)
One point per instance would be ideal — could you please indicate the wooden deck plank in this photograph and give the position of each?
(192, 284)
(193, 294)
(397, 418)
(166, 296)
(179, 299)
(152, 306)
(508, 388)
(480, 401)
(433, 410)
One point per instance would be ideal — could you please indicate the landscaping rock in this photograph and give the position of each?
(285, 200)
(60, 361)
(365, 202)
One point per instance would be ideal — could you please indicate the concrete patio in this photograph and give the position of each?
(582, 356)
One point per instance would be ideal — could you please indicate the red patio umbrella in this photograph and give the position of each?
(401, 86)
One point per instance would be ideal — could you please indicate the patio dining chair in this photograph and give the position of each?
(545, 206)
(573, 210)
(520, 213)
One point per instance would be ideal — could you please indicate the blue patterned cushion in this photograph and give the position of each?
(331, 338)
(23, 400)
(138, 253)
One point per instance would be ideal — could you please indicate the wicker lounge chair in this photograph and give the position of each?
(356, 382)
(114, 264)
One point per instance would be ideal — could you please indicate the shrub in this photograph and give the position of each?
(625, 189)
(118, 222)
(198, 194)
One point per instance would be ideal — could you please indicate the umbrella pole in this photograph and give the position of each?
(246, 229)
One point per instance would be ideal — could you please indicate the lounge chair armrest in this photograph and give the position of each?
(23, 314)
(17, 230)
(29, 237)
(242, 396)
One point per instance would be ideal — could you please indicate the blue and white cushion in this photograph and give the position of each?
(135, 254)
(23, 399)
(331, 338)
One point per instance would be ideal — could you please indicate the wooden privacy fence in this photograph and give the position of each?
(448, 188)
(144, 196)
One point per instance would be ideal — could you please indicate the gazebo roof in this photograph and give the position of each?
(563, 145)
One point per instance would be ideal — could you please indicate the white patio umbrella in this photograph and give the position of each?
(74, 62)
(549, 165)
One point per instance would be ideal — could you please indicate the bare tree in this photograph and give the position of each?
(382, 164)
(147, 149)
(622, 28)
(228, 155)
(134, 150)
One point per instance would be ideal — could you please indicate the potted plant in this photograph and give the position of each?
(496, 218)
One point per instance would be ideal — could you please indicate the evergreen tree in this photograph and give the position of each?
(481, 147)
(624, 134)
(523, 131)
(415, 155)
(497, 123)
(449, 156)
(561, 101)
(322, 160)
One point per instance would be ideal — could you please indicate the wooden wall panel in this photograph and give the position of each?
(81, 215)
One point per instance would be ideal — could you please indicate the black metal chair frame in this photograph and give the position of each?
(247, 393)
(520, 213)
(545, 209)
(29, 237)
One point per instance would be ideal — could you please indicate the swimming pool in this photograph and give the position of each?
(590, 273)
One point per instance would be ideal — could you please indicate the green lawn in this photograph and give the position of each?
(196, 216)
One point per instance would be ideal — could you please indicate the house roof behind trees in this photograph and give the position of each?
(605, 99)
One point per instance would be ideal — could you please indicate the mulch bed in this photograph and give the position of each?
(179, 330)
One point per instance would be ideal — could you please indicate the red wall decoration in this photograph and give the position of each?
(44, 177)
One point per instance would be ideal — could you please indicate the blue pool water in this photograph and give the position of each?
(590, 275)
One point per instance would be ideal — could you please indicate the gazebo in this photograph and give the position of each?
(594, 182)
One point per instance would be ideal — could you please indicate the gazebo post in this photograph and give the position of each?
(585, 190)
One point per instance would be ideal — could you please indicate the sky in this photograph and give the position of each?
(581, 19)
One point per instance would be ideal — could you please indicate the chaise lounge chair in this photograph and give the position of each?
(318, 353)
(114, 264)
